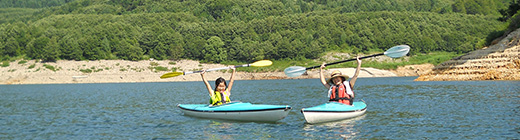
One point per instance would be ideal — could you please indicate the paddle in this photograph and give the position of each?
(394, 52)
(261, 63)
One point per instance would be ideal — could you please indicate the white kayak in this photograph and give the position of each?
(333, 111)
(237, 111)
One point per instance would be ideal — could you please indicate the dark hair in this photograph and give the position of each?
(218, 81)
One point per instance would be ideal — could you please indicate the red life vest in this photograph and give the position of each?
(339, 94)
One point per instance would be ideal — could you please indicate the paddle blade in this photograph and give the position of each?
(397, 51)
(294, 71)
(261, 63)
(171, 74)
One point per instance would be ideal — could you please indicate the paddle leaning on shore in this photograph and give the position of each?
(234, 110)
(333, 110)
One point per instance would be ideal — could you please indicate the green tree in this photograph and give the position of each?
(11, 47)
(472, 7)
(89, 47)
(275, 41)
(218, 8)
(214, 50)
(235, 48)
(194, 47)
(160, 50)
(51, 51)
(297, 49)
(512, 9)
(285, 49)
(313, 50)
(176, 49)
(268, 50)
(269, 29)
(130, 50)
(148, 41)
(36, 47)
(2, 54)
(459, 6)
(250, 51)
(70, 49)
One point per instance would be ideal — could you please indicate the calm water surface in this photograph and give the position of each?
(398, 108)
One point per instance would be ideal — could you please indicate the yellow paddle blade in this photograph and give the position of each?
(261, 63)
(171, 74)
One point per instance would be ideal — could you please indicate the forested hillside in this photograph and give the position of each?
(236, 30)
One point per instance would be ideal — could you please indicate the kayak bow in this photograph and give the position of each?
(333, 111)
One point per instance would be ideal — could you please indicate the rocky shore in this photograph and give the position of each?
(121, 71)
(500, 61)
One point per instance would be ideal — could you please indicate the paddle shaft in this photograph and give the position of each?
(342, 61)
(215, 69)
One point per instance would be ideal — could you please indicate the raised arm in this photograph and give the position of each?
(322, 78)
(354, 78)
(208, 86)
(231, 79)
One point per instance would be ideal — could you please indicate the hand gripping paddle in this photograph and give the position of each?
(394, 52)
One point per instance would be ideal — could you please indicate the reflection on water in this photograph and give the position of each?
(345, 129)
(219, 130)
(398, 108)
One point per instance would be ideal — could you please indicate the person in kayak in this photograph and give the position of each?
(222, 91)
(340, 90)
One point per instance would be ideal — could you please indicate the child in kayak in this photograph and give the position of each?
(340, 90)
(222, 91)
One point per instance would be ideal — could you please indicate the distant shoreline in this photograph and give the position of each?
(122, 71)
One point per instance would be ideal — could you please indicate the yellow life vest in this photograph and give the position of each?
(216, 99)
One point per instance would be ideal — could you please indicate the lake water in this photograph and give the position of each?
(398, 108)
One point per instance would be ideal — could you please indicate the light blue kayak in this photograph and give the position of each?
(237, 111)
(333, 111)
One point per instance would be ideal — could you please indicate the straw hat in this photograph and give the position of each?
(336, 73)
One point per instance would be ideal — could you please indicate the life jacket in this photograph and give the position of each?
(217, 99)
(341, 93)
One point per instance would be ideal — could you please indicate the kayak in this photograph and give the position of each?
(237, 111)
(333, 111)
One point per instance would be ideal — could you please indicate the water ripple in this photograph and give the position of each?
(398, 108)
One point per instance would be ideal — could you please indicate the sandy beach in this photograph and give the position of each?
(122, 71)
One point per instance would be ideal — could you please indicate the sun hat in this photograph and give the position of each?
(336, 73)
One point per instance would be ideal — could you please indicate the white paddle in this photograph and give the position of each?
(394, 52)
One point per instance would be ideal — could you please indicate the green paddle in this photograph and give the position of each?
(394, 52)
(261, 63)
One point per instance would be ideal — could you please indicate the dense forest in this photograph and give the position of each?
(235, 30)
